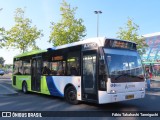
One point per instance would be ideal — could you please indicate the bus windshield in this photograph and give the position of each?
(124, 65)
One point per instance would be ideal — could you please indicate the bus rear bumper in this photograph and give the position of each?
(104, 97)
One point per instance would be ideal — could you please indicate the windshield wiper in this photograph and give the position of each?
(137, 76)
(121, 76)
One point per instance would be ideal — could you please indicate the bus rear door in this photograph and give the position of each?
(36, 73)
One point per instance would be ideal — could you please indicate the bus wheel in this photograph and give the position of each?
(24, 87)
(71, 95)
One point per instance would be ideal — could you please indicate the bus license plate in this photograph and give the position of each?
(129, 96)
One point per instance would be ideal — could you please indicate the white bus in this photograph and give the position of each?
(99, 70)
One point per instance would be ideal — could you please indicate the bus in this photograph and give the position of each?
(99, 70)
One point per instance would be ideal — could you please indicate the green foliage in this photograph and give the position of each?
(22, 35)
(68, 29)
(2, 61)
(35, 48)
(8, 68)
(130, 33)
(1, 66)
(2, 37)
(1, 34)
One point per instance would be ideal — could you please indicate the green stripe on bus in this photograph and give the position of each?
(30, 53)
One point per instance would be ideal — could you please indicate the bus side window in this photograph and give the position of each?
(61, 68)
(73, 63)
(60, 72)
(53, 68)
(18, 68)
(26, 67)
(45, 68)
(73, 71)
(58, 68)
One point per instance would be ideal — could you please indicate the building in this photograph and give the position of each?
(151, 58)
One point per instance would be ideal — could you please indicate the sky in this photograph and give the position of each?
(115, 14)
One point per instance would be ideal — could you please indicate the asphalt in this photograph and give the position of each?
(6, 89)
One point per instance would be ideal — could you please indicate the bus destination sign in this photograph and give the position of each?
(90, 46)
(120, 44)
(57, 58)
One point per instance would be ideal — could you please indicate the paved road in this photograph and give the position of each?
(39, 102)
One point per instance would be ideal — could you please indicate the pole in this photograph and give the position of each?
(97, 25)
(97, 12)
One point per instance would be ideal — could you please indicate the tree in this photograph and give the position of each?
(68, 29)
(2, 61)
(8, 68)
(22, 35)
(130, 33)
(1, 34)
(1, 37)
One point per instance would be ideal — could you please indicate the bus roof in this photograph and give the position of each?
(30, 53)
(99, 40)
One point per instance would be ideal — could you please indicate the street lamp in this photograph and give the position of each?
(97, 12)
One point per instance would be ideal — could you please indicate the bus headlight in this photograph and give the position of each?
(113, 92)
(142, 89)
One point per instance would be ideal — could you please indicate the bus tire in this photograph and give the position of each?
(24, 87)
(71, 95)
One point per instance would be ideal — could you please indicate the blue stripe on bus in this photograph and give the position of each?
(52, 87)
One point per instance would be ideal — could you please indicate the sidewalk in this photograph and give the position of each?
(7, 91)
(153, 91)
(5, 85)
(6, 76)
(157, 78)
(155, 87)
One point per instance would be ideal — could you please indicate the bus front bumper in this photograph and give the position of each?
(105, 97)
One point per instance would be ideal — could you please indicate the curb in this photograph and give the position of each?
(5, 77)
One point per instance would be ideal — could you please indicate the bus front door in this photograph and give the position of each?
(89, 79)
(36, 74)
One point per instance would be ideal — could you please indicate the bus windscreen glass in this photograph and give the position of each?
(124, 65)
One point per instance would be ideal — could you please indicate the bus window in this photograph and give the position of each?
(45, 68)
(58, 68)
(26, 67)
(89, 72)
(124, 64)
(73, 64)
(18, 68)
